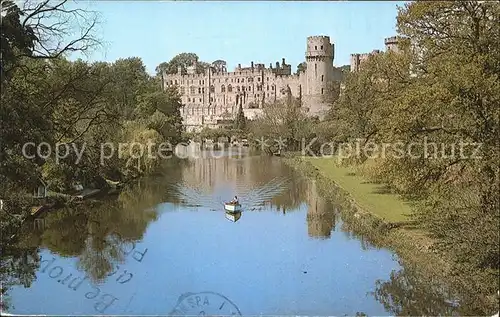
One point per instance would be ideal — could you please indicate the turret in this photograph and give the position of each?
(319, 60)
(319, 74)
(391, 43)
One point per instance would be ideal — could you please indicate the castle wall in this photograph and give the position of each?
(391, 44)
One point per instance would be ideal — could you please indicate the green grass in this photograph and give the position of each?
(371, 197)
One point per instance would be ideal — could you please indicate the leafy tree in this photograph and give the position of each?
(219, 65)
(301, 68)
(183, 60)
(240, 122)
(442, 89)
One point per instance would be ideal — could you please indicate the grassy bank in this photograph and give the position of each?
(372, 197)
(372, 213)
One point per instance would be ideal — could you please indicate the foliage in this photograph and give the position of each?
(183, 60)
(47, 98)
(441, 89)
(283, 120)
(302, 67)
(241, 121)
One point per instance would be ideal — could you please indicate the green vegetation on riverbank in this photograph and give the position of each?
(414, 246)
(370, 196)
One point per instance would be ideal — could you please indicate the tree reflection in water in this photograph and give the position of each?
(95, 232)
(18, 265)
(407, 293)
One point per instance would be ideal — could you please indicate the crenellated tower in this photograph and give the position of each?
(319, 72)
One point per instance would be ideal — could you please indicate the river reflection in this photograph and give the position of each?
(233, 216)
(286, 254)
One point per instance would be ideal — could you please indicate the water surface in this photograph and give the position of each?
(287, 254)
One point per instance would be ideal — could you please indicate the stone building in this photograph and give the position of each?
(213, 98)
(391, 44)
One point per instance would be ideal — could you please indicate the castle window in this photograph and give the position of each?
(238, 80)
(199, 90)
(212, 89)
(249, 88)
(231, 79)
(192, 90)
(199, 82)
(211, 99)
(189, 99)
(226, 80)
(243, 80)
(321, 90)
(243, 88)
(203, 90)
(223, 88)
(200, 99)
(315, 70)
(183, 90)
(322, 77)
(321, 46)
(267, 87)
(315, 48)
(238, 88)
(258, 78)
(229, 88)
(272, 87)
(267, 78)
(203, 81)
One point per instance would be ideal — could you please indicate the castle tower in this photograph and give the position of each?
(319, 72)
(391, 44)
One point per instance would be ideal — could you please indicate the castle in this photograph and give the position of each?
(213, 98)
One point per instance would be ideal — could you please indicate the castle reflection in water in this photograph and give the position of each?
(216, 176)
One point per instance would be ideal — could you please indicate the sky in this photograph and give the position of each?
(239, 32)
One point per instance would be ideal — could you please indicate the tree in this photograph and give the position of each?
(240, 122)
(301, 68)
(183, 60)
(219, 65)
(44, 30)
(442, 90)
(34, 38)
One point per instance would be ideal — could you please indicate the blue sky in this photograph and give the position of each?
(240, 32)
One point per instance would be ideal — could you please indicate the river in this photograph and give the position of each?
(166, 246)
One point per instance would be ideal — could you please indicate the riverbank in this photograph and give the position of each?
(370, 211)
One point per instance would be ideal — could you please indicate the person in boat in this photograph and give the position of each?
(234, 201)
